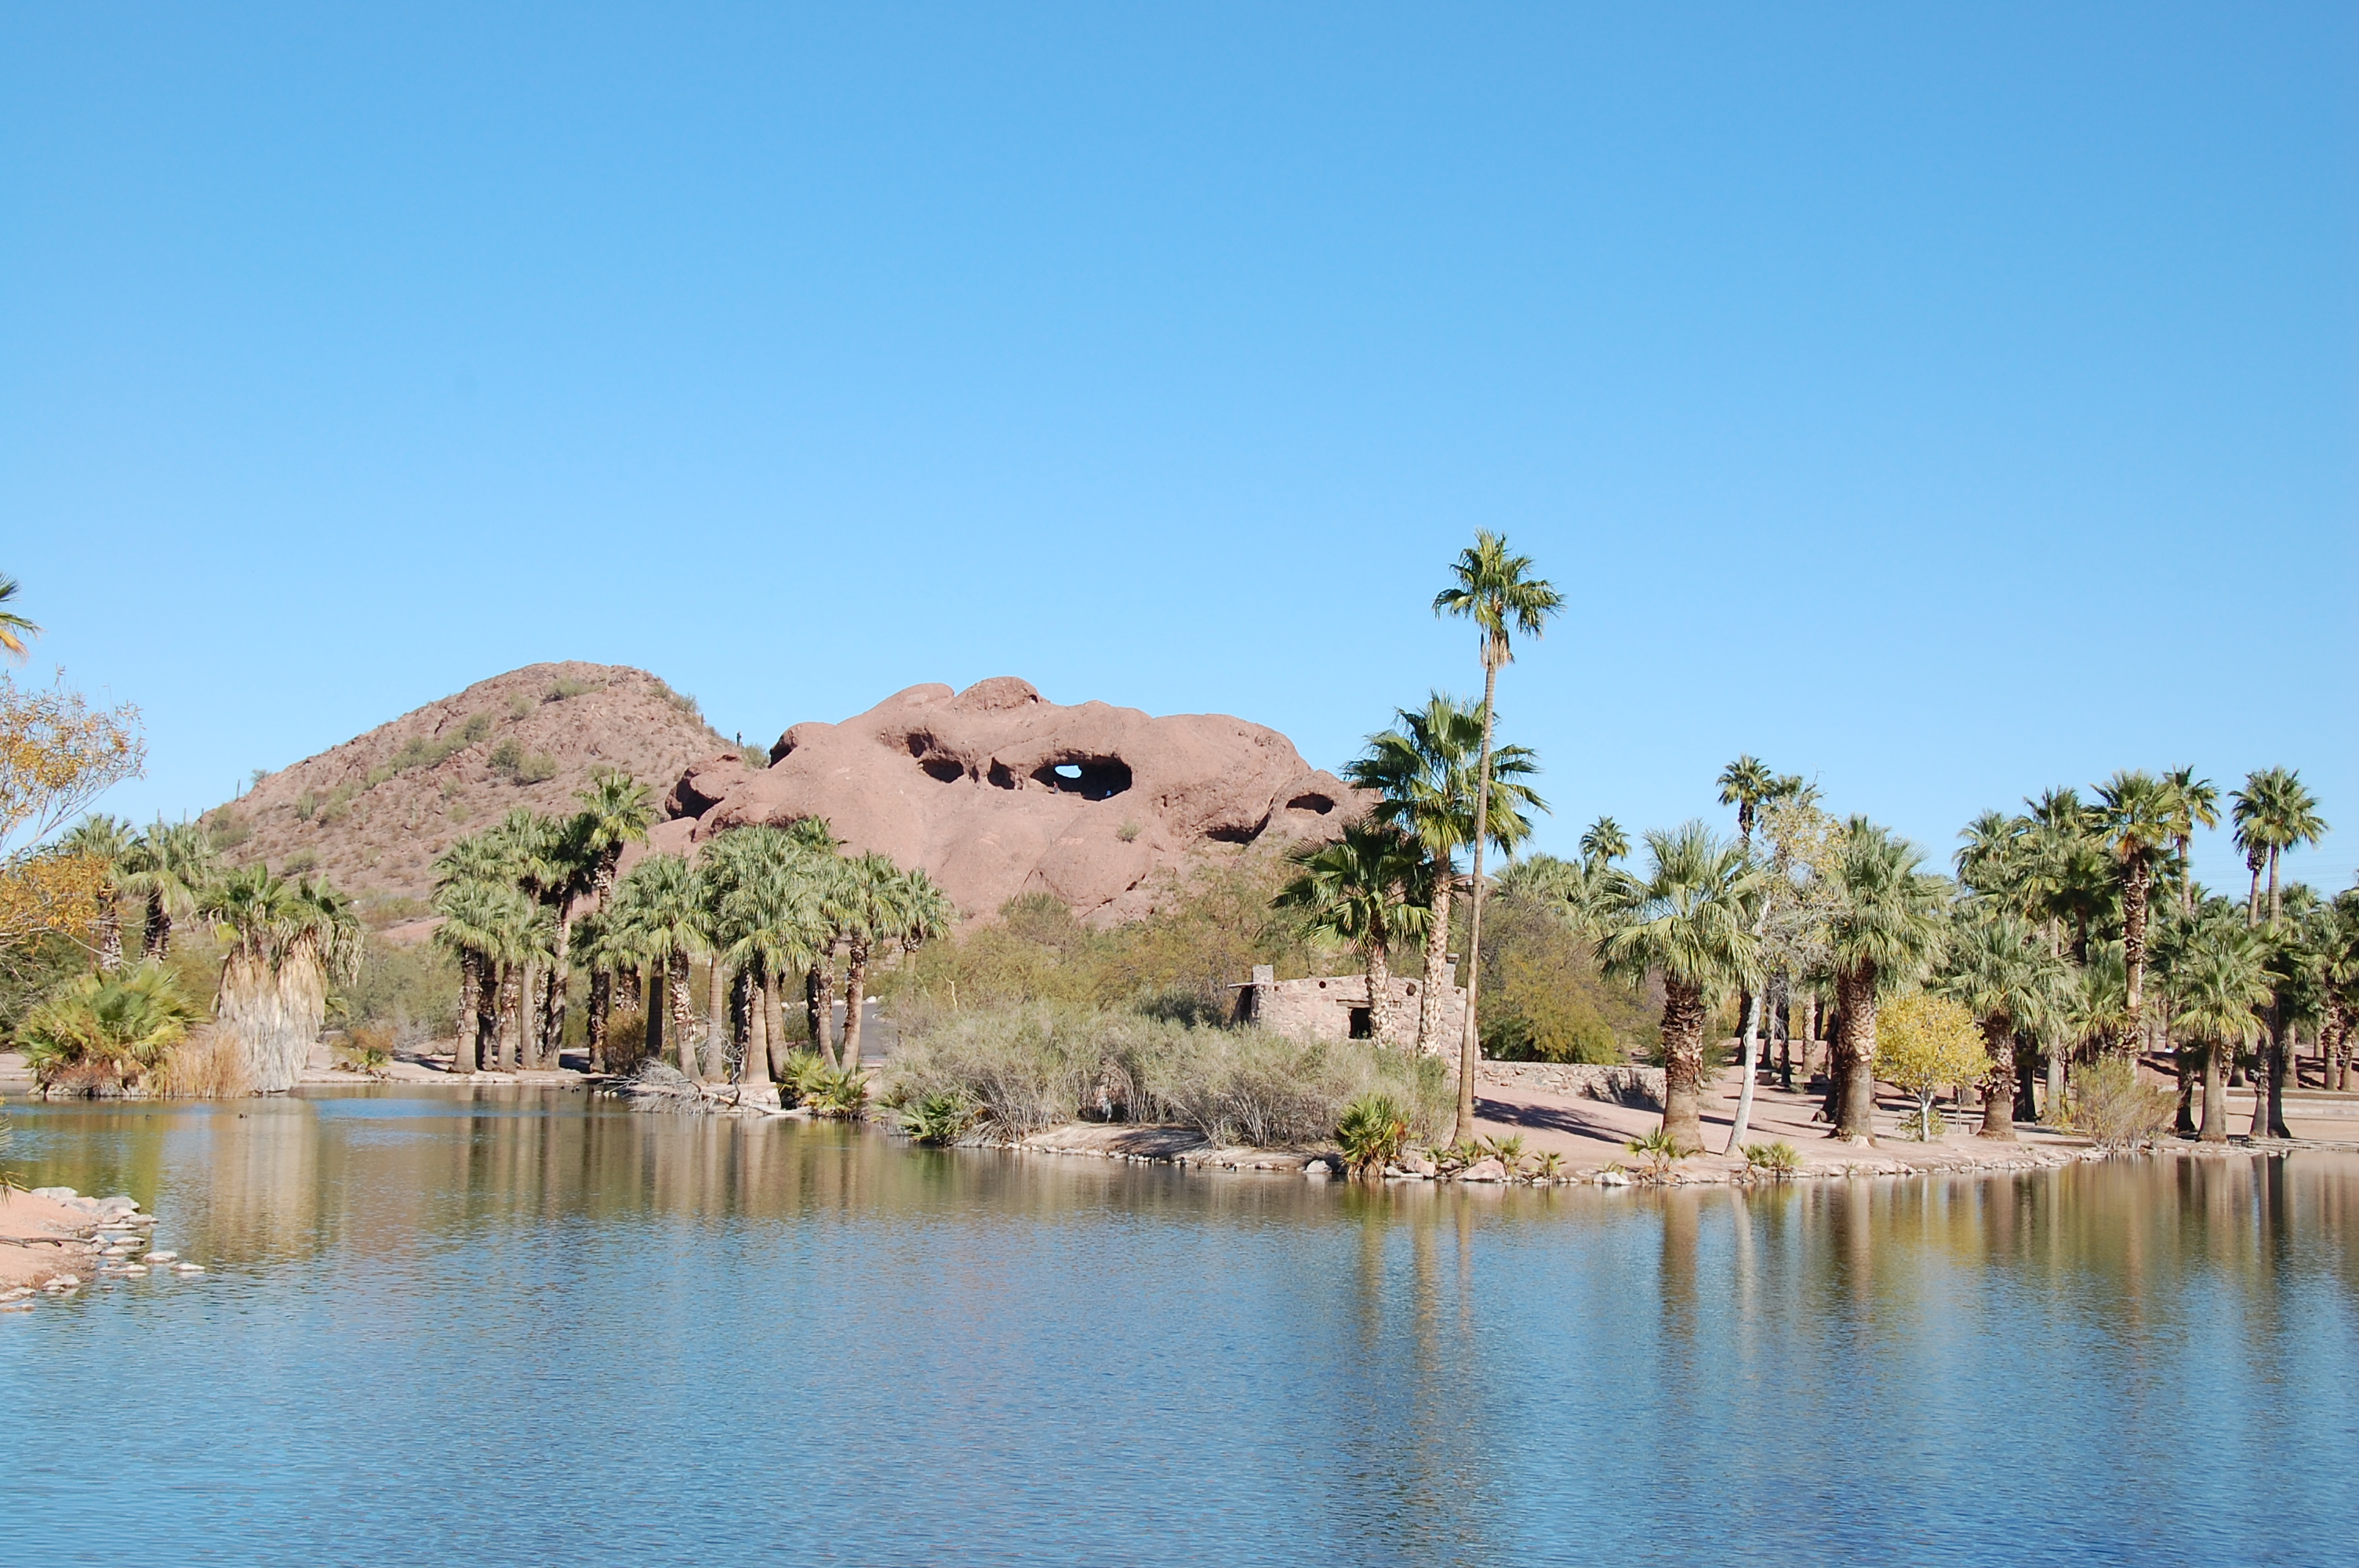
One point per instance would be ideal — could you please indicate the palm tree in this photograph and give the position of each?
(2274, 812)
(544, 862)
(615, 812)
(1884, 926)
(2195, 803)
(2339, 977)
(1497, 593)
(1424, 772)
(659, 915)
(483, 921)
(287, 942)
(883, 907)
(1602, 842)
(1689, 920)
(106, 842)
(1355, 892)
(1997, 969)
(2219, 984)
(14, 628)
(1745, 784)
(169, 867)
(2137, 818)
(105, 1029)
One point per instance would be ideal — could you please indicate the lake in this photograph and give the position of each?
(508, 1325)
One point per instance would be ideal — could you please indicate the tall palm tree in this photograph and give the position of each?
(1424, 773)
(2195, 803)
(1604, 842)
(14, 628)
(106, 842)
(546, 864)
(2273, 813)
(287, 942)
(1745, 784)
(1997, 967)
(2219, 985)
(1497, 591)
(1884, 926)
(1689, 921)
(1356, 891)
(883, 907)
(485, 925)
(169, 867)
(615, 812)
(2137, 818)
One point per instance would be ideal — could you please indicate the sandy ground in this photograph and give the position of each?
(40, 1239)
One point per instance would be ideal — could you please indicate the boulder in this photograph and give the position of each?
(1488, 1169)
(997, 792)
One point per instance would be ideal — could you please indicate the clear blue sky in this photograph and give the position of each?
(1946, 402)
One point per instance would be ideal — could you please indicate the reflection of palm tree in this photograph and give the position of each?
(1497, 591)
(1425, 772)
(1689, 922)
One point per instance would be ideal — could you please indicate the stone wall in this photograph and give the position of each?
(1632, 1086)
(1322, 1008)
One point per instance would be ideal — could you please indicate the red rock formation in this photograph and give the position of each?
(995, 792)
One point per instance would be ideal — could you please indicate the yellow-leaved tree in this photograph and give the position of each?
(1923, 1043)
(57, 754)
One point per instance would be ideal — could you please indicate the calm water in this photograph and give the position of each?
(517, 1328)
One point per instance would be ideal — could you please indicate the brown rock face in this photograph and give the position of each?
(997, 792)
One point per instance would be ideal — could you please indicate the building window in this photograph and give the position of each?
(1364, 1024)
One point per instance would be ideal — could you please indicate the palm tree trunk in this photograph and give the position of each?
(716, 1008)
(2060, 1058)
(1683, 1019)
(2026, 1077)
(1856, 998)
(774, 1004)
(753, 1059)
(2183, 1062)
(1380, 992)
(1438, 977)
(815, 1012)
(602, 1001)
(466, 1051)
(2277, 895)
(1469, 1045)
(655, 1009)
(683, 1007)
(2260, 1077)
(155, 941)
(2134, 920)
(2215, 1092)
(110, 933)
(856, 992)
(1998, 1084)
(825, 971)
(511, 1008)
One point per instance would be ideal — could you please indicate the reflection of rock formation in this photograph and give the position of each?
(995, 792)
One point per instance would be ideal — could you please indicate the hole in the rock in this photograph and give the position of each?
(1000, 777)
(943, 768)
(1092, 778)
(1364, 1024)
(1321, 804)
(1234, 835)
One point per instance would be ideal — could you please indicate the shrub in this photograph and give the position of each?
(1780, 1159)
(1551, 1165)
(305, 805)
(836, 1091)
(103, 1033)
(365, 1049)
(301, 863)
(1371, 1132)
(226, 825)
(938, 1119)
(1923, 1043)
(2115, 1107)
(561, 689)
(1660, 1149)
(1129, 832)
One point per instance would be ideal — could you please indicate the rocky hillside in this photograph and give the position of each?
(373, 813)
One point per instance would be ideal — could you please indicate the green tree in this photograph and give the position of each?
(1356, 891)
(659, 915)
(2194, 803)
(2219, 981)
(1602, 842)
(2273, 813)
(1424, 773)
(1495, 590)
(106, 842)
(1884, 926)
(1689, 920)
(485, 924)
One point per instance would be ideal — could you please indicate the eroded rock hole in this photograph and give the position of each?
(1092, 778)
(943, 768)
(1318, 803)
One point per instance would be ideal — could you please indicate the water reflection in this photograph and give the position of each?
(611, 1337)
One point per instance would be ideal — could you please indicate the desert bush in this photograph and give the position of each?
(938, 1119)
(366, 1048)
(836, 1091)
(227, 828)
(562, 689)
(2115, 1107)
(1040, 1065)
(1371, 1132)
(1660, 1151)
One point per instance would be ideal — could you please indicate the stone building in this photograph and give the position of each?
(1336, 1006)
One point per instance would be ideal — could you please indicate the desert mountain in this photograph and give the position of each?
(997, 792)
(373, 813)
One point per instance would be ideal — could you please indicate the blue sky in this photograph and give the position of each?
(1944, 402)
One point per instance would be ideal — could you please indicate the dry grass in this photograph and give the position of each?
(208, 1065)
